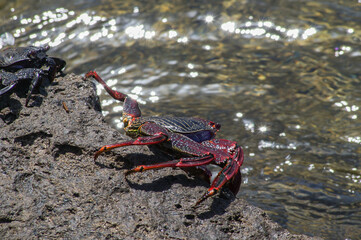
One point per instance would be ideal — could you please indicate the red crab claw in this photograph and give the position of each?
(130, 107)
(116, 95)
(231, 172)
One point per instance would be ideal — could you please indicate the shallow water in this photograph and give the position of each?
(282, 77)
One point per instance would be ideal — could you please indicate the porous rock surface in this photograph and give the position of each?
(51, 187)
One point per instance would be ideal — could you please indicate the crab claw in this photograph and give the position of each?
(230, 174)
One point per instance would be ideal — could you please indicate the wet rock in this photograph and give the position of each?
(50, 186)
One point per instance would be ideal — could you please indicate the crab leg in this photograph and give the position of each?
(25, 73)
(139, 141)
(130, 105)
(7, 88)
(52, 68)
(231, 170)
(221, 144)
(55, 65)
(116, 95)
(182, 162)
(36, 75)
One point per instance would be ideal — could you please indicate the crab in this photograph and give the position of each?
(24, 63)
(193, 139)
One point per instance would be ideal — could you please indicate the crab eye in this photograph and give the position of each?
(215, 125)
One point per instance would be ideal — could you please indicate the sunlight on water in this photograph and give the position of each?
(78, 25)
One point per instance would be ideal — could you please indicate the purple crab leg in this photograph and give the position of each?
(221, 144)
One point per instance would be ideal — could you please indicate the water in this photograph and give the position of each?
(282, 77)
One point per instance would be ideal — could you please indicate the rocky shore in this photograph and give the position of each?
(51, 188)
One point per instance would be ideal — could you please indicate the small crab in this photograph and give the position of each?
(24, 63)
(190, 138)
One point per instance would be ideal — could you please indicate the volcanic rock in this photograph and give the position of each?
(51, 187)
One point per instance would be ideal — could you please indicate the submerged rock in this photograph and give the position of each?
(50, 186)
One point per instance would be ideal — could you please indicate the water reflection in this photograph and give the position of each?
(80, 26)
(281, 77)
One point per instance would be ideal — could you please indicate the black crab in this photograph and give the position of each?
(26, 63)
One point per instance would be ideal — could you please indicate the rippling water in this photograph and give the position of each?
(282, 77)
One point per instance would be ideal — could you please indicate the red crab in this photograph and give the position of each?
(191, 138)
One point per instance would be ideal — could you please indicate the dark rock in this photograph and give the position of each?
(50, 186)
